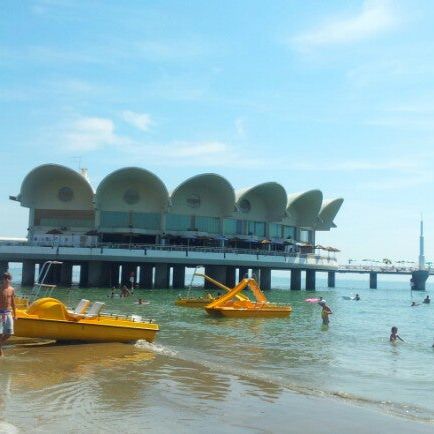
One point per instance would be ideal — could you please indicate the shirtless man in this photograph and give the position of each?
(7, 310)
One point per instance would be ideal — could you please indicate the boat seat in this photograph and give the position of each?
(95, 309)
(82, 306)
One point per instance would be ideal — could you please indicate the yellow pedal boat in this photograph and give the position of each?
(194, 301)
(231, 305)
(48, 318)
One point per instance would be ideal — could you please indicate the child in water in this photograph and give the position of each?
(326, 311)
(394, 335)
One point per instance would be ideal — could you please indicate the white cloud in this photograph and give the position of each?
(142, 121)
(374, 18)
(91, 133)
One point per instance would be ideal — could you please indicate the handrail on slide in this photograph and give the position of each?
(220, 285)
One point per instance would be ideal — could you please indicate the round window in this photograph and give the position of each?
(65, 194)
(193, 201)
(245, 206)
(131, 196)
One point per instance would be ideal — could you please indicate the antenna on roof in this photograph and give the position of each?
(78, 162)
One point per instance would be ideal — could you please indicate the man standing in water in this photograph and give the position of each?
(326, 311)
(7, 310)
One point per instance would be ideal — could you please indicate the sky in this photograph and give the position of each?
(331, 95)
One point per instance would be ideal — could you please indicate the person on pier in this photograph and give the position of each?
(7, 310)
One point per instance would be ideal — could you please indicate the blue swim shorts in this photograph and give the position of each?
(6, 323)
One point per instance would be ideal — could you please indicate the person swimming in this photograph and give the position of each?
(394, 335)
(413, 303)
(357, 297)
(427, 300)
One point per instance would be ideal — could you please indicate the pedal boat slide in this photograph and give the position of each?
(231, 305)
(203, 301)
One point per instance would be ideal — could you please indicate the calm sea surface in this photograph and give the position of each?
(197, 359)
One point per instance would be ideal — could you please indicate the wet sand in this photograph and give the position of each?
(122, 388)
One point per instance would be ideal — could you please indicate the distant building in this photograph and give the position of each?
(133, 206)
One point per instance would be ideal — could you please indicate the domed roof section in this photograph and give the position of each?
(265, 201)
(132, 189)
(303, 208)
(327, 214)
(52, 186)
(207, 194)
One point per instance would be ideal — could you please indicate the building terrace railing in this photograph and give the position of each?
(181, 248)
(376, 269)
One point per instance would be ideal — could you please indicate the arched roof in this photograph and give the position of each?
(327, 214)
(265, 201)
(52, 186)
(303, 208)
(207, 194)
(132, 189)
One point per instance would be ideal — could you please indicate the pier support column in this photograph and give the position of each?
(265, 282)
(373, 280)
(84, 269)
(161, 276)
(331, 279)
(256, 274)
(310, 280)
(295, 279)
(114, 274)
(4, 266)
(178, 277)
(242, 272)
(217, 272)
(53, 275)
(98, 274)
(66, 274)
(145, 276)
(230, 277)
(28, 273)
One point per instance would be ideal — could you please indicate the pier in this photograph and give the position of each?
(160, 266)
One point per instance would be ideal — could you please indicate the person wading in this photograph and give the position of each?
(7, 310)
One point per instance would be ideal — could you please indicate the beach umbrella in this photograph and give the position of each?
(54, 232)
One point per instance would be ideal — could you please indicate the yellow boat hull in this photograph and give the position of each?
(48, 318)
(250, 313)
(81, 331)
(194, 302)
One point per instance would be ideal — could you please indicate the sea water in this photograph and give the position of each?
(199, 356)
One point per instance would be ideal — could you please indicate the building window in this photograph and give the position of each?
(245, 206)
(65, 194)
(230, 226)
(288, 232)
(208, 224)
(178, 222)
(193, 201)
(131, 196)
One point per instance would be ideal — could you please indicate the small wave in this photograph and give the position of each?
(8, 428)
(159, 349)
(398, 409)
